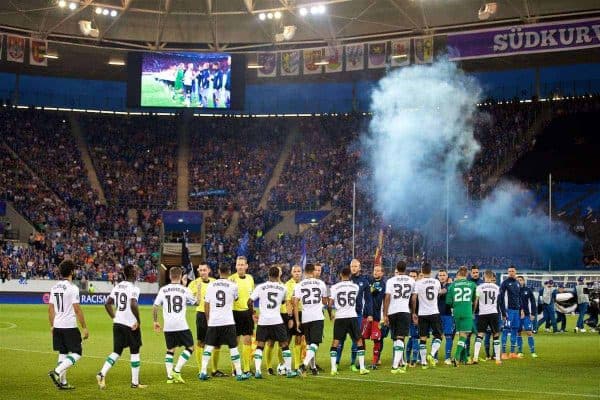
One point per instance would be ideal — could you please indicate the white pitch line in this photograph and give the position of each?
(461, 387)
(10, 325)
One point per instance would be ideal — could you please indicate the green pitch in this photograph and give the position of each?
(156, 94)
(567, 369)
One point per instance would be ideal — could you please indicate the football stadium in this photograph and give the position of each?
(299, 199)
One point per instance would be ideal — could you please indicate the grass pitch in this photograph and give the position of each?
(567, 369)
(156, 94)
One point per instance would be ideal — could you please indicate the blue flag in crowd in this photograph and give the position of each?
(303, 257)
(243, 247)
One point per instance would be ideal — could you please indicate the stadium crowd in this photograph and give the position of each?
(135, 160)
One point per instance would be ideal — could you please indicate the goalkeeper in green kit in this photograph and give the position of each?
(461, 297)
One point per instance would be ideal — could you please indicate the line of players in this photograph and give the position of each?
(408, 307)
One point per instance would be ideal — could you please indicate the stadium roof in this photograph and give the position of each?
(234, 25)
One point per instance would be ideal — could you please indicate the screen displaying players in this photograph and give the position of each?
(198, 80)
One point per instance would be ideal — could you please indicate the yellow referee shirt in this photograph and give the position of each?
(198, 289)
(245, 288)
(289, 286)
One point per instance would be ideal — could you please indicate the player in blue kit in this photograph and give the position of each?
(528, 313)
(510, 308)
(412, 347)
(364, 308)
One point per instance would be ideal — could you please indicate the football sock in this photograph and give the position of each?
(497, 349)
(277, 350)
(287, 358)
(435, 346)
(353, 354)
(361, 356)
(169, 363)
(311, 351)
(376, 350)
(449, 344)
(415, 350)
(460, 347)
(520, 343)
(340, 349)
(214, 361)
(135, 368)
(514, 333)
(423, 352)
(398, 353)
(297, 352)
(235, 359)
(198, 354)
(486, 343)
(531, 343)
(205, 358)
(267, 355)
(63, 376)
(247, 356)
(110, 361)
(183, 358)
(333, 358)
(468, 345)
(478, 340)
(67, 363)
(258, 357)
(504, 339)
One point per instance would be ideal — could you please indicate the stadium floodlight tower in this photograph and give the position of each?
(181, 238)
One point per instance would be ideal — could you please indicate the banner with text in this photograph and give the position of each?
(523, 39)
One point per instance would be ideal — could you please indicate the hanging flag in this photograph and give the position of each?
(15, 48)
(243, 246)
(186, 262)
(333, 55)
(268, 63)
(355, 57)
(423, 50)
(311, 58)
(377, 54)
(37, 51)
(400, 53)
(303, 256)
(290, 63)
(378, 259)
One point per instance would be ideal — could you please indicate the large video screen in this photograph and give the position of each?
(192, 80)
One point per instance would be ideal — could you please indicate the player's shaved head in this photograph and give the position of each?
(224, 269)
(296, 272)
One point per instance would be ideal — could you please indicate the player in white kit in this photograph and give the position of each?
(271, 295)
(218, 308)
(396, 312)
(126, 327)
(174, 298)
(343, 295)
(311, 293)
(63, 313)
(427, 317)
(487, 301)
